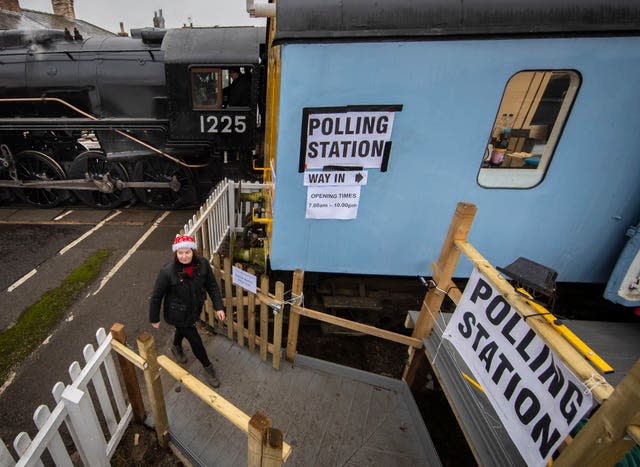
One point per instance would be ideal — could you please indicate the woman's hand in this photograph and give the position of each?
(219, 315)
(156, 325)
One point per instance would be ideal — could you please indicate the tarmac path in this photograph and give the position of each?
(31, 264)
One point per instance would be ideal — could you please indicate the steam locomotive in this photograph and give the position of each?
(107, 119)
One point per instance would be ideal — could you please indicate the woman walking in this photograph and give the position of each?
(181, 285)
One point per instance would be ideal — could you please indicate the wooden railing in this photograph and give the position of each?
(266, 447)
(298, 310)
(614, 428)
(249, 315)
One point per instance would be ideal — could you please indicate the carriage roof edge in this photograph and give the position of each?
(356, 19)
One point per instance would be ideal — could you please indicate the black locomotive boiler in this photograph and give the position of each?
(159, 115)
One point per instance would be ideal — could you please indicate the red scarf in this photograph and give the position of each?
(188, 270)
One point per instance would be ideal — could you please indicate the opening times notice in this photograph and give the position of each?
(332, 202)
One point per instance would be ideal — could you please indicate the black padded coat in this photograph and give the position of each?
(183, 297)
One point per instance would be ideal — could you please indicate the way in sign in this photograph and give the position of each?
(335, 178)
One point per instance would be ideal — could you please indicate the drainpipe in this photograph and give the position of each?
(261, 10)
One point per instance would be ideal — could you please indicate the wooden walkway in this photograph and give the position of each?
(330, 414)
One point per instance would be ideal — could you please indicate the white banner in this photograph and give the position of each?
(358, 136)
(535, 395)
(332, 202)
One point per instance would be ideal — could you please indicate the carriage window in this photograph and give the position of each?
(532, 113)
(206, 88)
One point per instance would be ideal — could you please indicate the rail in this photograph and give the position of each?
(221, 214)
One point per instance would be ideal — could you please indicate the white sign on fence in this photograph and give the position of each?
(535, 395)
(243, 279)
(332, 202)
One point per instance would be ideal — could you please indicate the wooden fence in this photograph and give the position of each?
(615, 427)
(86, 422)
(250, 318)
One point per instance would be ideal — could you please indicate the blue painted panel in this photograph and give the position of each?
(573, 222)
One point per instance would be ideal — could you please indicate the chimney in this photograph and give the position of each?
(10, 5)
(64, 8)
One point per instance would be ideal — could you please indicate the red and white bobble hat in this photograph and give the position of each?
(184, 241)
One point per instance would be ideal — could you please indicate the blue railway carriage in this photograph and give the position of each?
(393, 111)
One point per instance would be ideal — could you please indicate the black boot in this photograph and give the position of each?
(177, 351)
(210, 376)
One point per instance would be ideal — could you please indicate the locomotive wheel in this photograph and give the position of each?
(163, 170)
(34, 165)
(100, 169)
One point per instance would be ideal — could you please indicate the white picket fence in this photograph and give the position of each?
(221, 214)
(74, 408)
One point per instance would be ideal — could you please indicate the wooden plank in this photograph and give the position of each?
(288, 407)
(601, 441)
(128, 373)
(258, 425)
(319, 398)
(336, 418)
(277, 327)
(294, 317)
(359, 412)
(129, 355)
(264, 320)
(251, 317)
(273, 449)
(447, 261)
(240, 311)
(205, 393)
(228, 294)
(352, 303)
(544, 329)
(235, 376)
(147, 349)
(371, 330)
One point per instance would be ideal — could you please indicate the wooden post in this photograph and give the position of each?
(272, 448)
(129, 375)
(147, 349)
(294, 317)
(240, 311)
(258, 426)
(251, 317)
(601, 441)
(216, 270)
(443, 271)
(264, 319)
(277, 327)
(228, 295)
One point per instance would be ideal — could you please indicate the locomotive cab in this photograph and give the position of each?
(213, 82)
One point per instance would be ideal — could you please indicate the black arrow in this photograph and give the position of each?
(359, 177)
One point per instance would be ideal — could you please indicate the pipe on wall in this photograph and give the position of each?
(261, 10)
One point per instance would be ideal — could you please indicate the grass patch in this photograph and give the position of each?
(37, 321)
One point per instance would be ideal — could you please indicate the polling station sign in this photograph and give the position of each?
(535, 395)
(350, 136)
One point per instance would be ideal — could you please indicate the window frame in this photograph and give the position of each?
(193, 71)
(522, 177)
